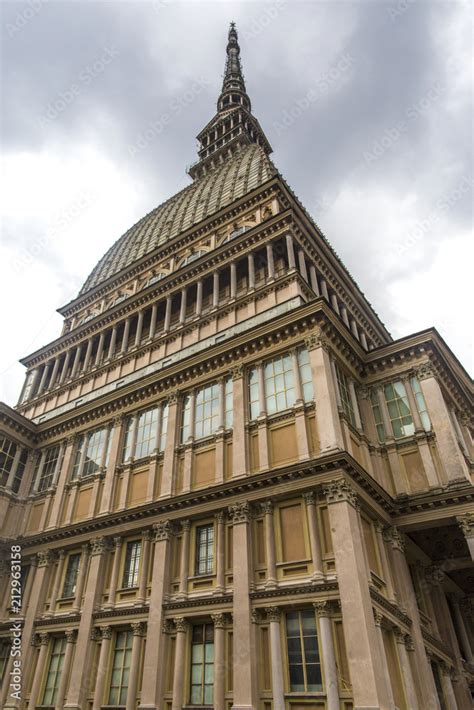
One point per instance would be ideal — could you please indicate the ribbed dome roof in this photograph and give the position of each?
(237, 176)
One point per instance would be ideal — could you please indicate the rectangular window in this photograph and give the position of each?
(420, 403)
(48, 468)
(207, 410)
(91, 453)
(7, 454)
(345, 394)
(204, 549)
(279, 383)
(146, 433)
(4, 655)
(304, 662)
(120, 668)
(164, 427)
(399, 409)
(18, 475)
(132, 564)
(202, 665)
(53, 678)
(374, 400)
(70, 578)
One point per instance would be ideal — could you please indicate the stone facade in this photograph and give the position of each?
(231, 488)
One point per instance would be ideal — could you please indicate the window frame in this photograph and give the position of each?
(204, 663)
(126, 651)
(208, 545)
(132, 561)
(399, 398)
(61, 641)
(303, 651)
(83, 463)
(66, 580)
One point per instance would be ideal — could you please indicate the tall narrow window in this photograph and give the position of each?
(345, 393)
(206, 416)
(48, 468)
(53, 678)
(204, 549)
(120, 668)
(202, 665)
(70, 579)
(253, 393)
(4, 654)
(18, 475)
(304, 662)
(206, 419)
(399, 409)
(91, 453)
(305, 374)
(420, 403)
(146, 433)
(7, 455)
(132, 564)
(377, 415)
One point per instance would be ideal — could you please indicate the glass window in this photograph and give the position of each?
(207, 410)
(92, 452)
(253, 393)
(304, 663)
(120, 668)
(345, 394)
(164, 427)
(305, 374)
(374, 400)
(48, 468)
(421, 404)
(4, 654)
(28, 387)
(54, 671)
(193, 257)
(7, 454)
(141, 431)
(228, 404)
(132, 564)
(202, 665)
(204, 549)
(146, 433)
(70, 578)
(18, 475)
(399, 409)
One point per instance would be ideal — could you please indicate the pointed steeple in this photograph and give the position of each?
(233, 126)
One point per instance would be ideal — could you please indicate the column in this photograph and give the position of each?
(220, 557)
(108, 489)
(302, 264)
(383, 656)
(270, 262)
(138, 633)
(363, 340)
(267, 508)
(184, 562)
(65, 367)
(169, 455)
(219, 661)
(77, 358)
(387, 574)
(327, 414)
(314, 279)
(402, 639)
(125, 335)
(81, 578)
(251, 270)
(290, 252)
(335, 303)
(215, 289)
(466, 523)
(344, 316)
(355, 404)
(167, 322)
(106, 635)
(55, 372)
(56, 583)
(244, 652)
(100, 350)
(80, 679)
(329, 657)
(179, 662)
(40, 667)
(314, 537)
(324, 289)
(274, 617)
(145, 562)
(409, 605)
(461, 629)
(239, 438)
(138, 334)
(354, 329)
(112, 343)
(44, 377)
(182, 309)
(448, 692)
(153, 666)
(359, 627)
(198, 298)
(35, 606)
(70, 641)
(110, 603)
(154, 311)
(233, 279)
(87, 358)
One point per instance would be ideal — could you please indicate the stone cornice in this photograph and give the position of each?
(391, 608)
(16, 421)
(194, 602)
(296, 590)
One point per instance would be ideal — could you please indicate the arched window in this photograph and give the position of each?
(193, 257)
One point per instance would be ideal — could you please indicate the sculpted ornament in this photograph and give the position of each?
(173, 397)
(321, 608)
(316, 339)
(71, 635)
(138, 628)
(340, 491)
(44, 558)
(240, 512)
(181, 624)
(162, 531)
(424, 370)
(98, 545)
(273, 613)
(218, 620)
(237, 372)
(310, 498)
(466, 523)
(167, 626)
(395, 538)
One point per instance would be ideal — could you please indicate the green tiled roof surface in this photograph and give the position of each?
(237, 176)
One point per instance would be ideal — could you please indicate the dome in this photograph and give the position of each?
(237, 176)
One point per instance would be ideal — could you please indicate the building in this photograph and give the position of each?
(231, 487)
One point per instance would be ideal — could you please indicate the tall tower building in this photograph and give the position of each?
(231, 488)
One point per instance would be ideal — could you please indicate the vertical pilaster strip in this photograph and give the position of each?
(110, 603)
(322, 610)
(268, 509)
(314, 537)
(274, 619)
(70, 641)
(179, 662)
(43, 641)
(239, 444)
(219, 660)
(138, 630)
(327, 414)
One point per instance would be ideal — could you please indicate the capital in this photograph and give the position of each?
(237, 372)
(162, 530)
(340, 491)
(316, 339)
(43, 638)
(267, 507)
(273, 613)
(395, 538)
(71, 635)
(44, 558)
(138, 628)
(321, 608)
(181, 624)
(400, 635)
(185, 525)
(466, 523)
(218, 620)
(173, 397)
(167, 626)
(310, 498)
(220, 516)
(424, 370)
(98, 545)
(240, 512)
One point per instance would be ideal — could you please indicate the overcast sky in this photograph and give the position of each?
(367, 104)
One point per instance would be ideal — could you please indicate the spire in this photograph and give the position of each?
(233, 127)
(233, 87)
